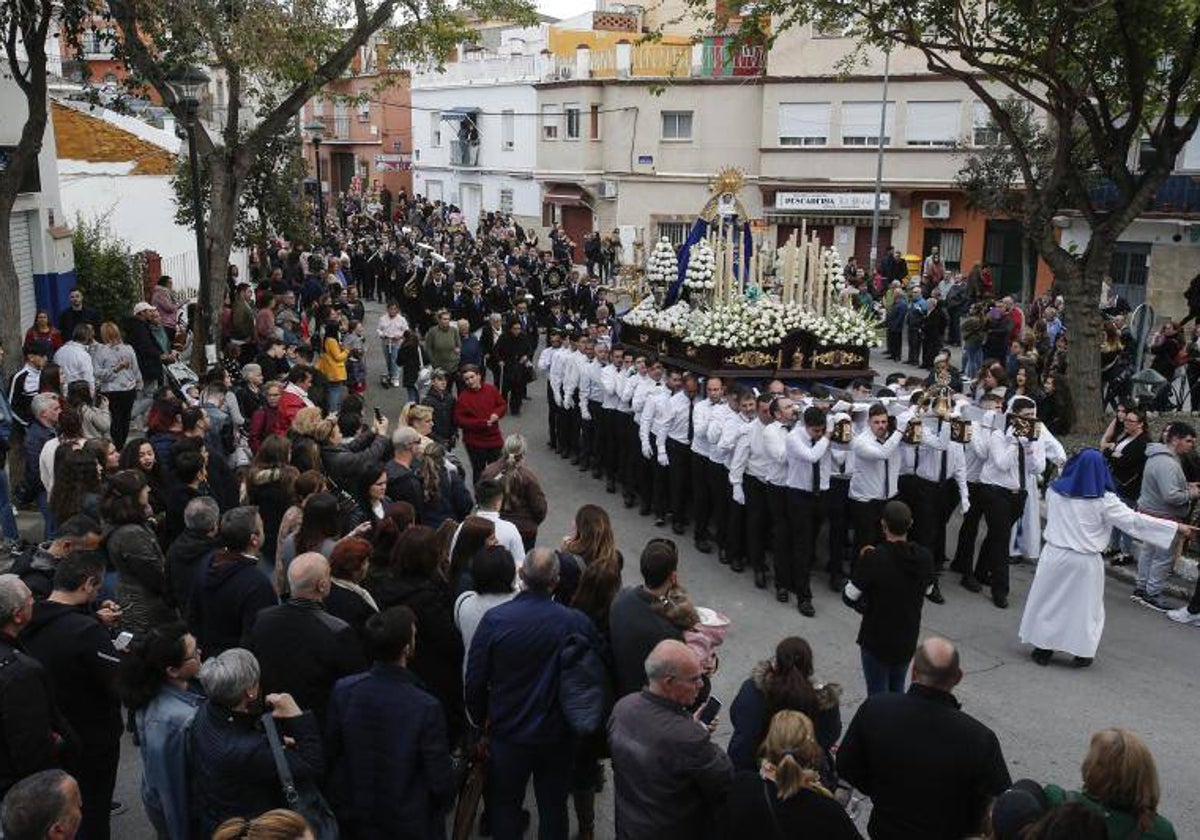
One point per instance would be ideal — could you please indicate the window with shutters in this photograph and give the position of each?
(677, 125)
(435, 128)
(551, 120)
(507, 130)
(860, 123)
(932, 123)
(804, 123)
(506, 201)
(571, 109)
(984, 130)
(676, 232)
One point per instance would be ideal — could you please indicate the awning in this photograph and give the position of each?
(459, 113)
(568, 194)
(791, 217)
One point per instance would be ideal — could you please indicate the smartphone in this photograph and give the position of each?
(710, 710)
(122, 641)
(378, 415)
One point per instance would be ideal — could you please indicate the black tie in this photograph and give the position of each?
(945, 456)
(1021, 463)
(887, 479)
(691, 420)
(816, 485)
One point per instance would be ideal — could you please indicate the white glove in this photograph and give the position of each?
(646, 452)
(568, 404)
(583, 412)
(739, 495)
(965, 505)
(662, 457)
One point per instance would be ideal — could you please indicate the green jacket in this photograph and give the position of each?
(1121, 826)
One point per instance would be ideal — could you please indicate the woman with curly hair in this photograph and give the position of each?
(271, 487)
(140, 455)
(446, 496)
(781, 683)
(135, 553)
(77, 486)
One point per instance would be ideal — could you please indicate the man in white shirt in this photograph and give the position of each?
(568, 432)
(877, 461)
(643, 471)
(653, 436)
(733, 466)
(591, 400)
(704, 413)
(610, 417)
(489, 495)
(939, 483)
(752, 466)
(809, 466)
(775, 437)
(545, 363)
(974, 457)
(75, 358)
(631, 447)
(1006, 481)
(677, 422)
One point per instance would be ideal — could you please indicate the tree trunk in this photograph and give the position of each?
(219, 232)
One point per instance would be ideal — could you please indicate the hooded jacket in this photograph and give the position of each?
(33, 732)
(225, 601)
(184, 561)
(78, 654)
(1164, 486)
(890, 581)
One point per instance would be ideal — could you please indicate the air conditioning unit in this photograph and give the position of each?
(935, 209)
(607, 189)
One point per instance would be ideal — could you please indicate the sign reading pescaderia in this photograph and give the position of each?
(835, 202)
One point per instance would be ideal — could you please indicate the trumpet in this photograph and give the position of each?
(938, 401)
(1029, 428)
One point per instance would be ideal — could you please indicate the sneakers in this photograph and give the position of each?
(1137, 594)
(1184, 617)
(1154, 602)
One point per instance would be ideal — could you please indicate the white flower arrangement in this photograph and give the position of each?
(675, 319)
(702, 264)
(662, 266)
(832, 273)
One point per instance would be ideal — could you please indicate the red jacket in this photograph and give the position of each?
(289, 406)
(471, 413)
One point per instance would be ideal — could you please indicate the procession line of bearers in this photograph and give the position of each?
(758, 472)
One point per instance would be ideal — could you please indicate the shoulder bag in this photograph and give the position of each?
(305, 800)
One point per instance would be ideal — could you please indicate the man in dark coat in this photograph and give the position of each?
(188, 553)
(230, 588)
(77, 652)
(76, 313)
(636, 627)
(900, 747)
(391, 773)
(302, 649)
(404, 482)
(33, 733)
(149, 342)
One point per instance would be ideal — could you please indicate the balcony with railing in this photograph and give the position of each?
(1177, 194)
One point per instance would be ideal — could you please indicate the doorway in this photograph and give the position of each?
(1006, 250)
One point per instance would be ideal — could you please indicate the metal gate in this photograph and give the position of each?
(18, 232)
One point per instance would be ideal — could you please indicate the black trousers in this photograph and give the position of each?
(735, 527)
(568, 427)
(895, 343)
(653, 485)
(95, 769)
(632, 456)
(914, 346)
(701, 496)
(781, 537)
(932, 504)
(679, 480)
(758, 520)
(719, 496)
(1001, 509)
(552, 411)
(804, 519)
(120, 405)
(864, 518)
(480, 458)
(835, 505)
(587, 434)
(608, 451)
(968, 531)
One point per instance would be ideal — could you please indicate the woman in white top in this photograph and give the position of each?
(494, 573)
(118, 378)
(391, 329)
(1065, 607)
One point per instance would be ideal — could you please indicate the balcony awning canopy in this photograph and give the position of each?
(793, 217)
(459, 113)
(569, 194)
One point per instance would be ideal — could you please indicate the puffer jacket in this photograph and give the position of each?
(142, 577)
(347, 463)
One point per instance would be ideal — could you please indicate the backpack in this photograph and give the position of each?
(583, 692)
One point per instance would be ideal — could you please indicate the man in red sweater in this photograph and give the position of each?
(477, 413)
(295, 397)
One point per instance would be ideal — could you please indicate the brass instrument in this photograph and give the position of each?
(913, 431)
(1029, 428)
(961, 430)
(843, 431)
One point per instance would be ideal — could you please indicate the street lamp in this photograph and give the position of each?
(188, 84)
(317, 129)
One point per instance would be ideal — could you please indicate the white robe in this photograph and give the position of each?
(1065, 607)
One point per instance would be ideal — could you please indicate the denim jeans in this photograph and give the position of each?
(881, 678)
(1154, 565)
(8, 522)
(972, 359)
(390, 352)
(511, 766)
(334, 394)
(50, 527)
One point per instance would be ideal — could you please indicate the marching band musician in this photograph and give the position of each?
(706, 411)
(1015, 457)
(974, 457)
(877, 462)
(809, 466)
(835, 502)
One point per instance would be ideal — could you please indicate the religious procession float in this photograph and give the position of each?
(728, 306)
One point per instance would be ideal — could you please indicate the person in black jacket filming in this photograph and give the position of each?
(888, 586)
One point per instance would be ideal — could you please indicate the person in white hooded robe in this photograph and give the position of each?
(1065, 607)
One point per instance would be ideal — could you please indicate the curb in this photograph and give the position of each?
(1128, 574)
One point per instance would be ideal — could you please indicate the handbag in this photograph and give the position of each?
(470, 791)
(305, 799)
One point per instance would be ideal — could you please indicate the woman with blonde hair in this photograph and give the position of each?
(118, 378)
(1120, 782)
(446, 496)
(524, 503)
(420, 417)
(785, 797)
(280, 824)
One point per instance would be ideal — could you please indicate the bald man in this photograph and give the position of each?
(901, 748)
(669, 775)
(302, 649)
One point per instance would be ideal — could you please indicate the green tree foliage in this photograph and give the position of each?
(1101, 77)
(105, 269)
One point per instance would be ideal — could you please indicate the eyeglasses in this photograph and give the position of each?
(695, 678)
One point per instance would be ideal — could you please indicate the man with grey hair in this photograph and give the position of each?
(668, 774)
(899, 747)
(302, 649)
(44, 409)
(512, 683)
(42, 806)
(33, 732)
(230, 589)
(197, 543)
(403, 482)
(249, 391)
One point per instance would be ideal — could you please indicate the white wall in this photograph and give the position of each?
(491, 100)
(140, 208)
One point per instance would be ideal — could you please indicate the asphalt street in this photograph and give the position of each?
(1145, 676)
